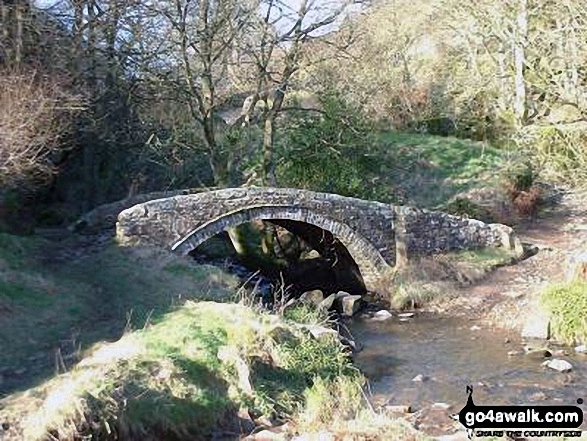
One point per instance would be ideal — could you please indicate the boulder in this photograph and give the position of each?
(350, 305)
(315, 297)
(328, 302)
(581, 349)
(537, 353)
(350, 344)
(341, 294)
(230, 355)
(558, 365)
(319, 332)
(281, 334)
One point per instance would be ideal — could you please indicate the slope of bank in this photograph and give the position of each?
(183, 361)
(54, 306)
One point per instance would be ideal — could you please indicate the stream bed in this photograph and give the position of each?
(451, 353)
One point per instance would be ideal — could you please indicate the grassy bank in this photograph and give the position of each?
(187, 363)
(430, 279)
(431, 170)
(56, 309)
(182, 376)
(204, 367)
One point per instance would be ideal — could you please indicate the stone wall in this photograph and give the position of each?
(428, 232)
(375, 234)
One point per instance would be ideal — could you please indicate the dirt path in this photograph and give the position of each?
(502, 298)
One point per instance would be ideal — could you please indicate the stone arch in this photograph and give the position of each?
(368, 259)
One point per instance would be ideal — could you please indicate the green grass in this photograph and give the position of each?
(63, 307)
(568, 305)
(306, 313)
(433, 169)
(429, 278)
(167, 381)
(482, 258)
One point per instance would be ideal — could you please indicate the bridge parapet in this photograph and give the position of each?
(376, 235)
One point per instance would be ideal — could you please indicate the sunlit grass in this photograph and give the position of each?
(169, 381)
(568, 305)
(432, 169)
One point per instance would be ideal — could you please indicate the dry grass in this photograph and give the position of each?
(189, 373)
(429, 278)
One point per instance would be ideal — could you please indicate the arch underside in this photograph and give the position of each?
(368, 259)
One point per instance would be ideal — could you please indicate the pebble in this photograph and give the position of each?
(406, 315)
(419, 378)
(513, 353)
(399, 409)
(379, 316)
(475, 328)
(582, 349)
(558, 365)
(538, 396)
(444, 406)
(537, 352)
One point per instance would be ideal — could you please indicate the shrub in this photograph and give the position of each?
(35, 114)
(331, 152)
(464, 207)
(568, 305)
(558, 150)
(527, 203)
(519, 181)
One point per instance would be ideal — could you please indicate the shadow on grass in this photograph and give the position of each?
(61, 310)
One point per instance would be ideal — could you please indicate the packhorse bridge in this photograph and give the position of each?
(377, 236)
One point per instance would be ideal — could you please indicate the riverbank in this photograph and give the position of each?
(207, 370)
(135, 343)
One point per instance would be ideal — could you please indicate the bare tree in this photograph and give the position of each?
(202, 36)
(35, 114)
(277, 45)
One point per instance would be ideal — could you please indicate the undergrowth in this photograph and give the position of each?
(429, 278)
(568, 304)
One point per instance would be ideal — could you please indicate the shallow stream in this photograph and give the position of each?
(451, 353)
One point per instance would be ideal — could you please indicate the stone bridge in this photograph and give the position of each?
(377, 236)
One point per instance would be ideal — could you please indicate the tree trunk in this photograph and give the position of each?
(269, 178)
(89, 155)
(4, 25)
(520, 61)
(19, 33)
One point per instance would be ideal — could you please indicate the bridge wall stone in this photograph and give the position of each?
(428, 232)
(375, 234)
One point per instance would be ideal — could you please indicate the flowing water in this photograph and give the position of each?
(451, 353)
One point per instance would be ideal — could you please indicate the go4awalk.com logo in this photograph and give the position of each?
(520, 421)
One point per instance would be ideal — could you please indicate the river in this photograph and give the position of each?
(451, 353)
